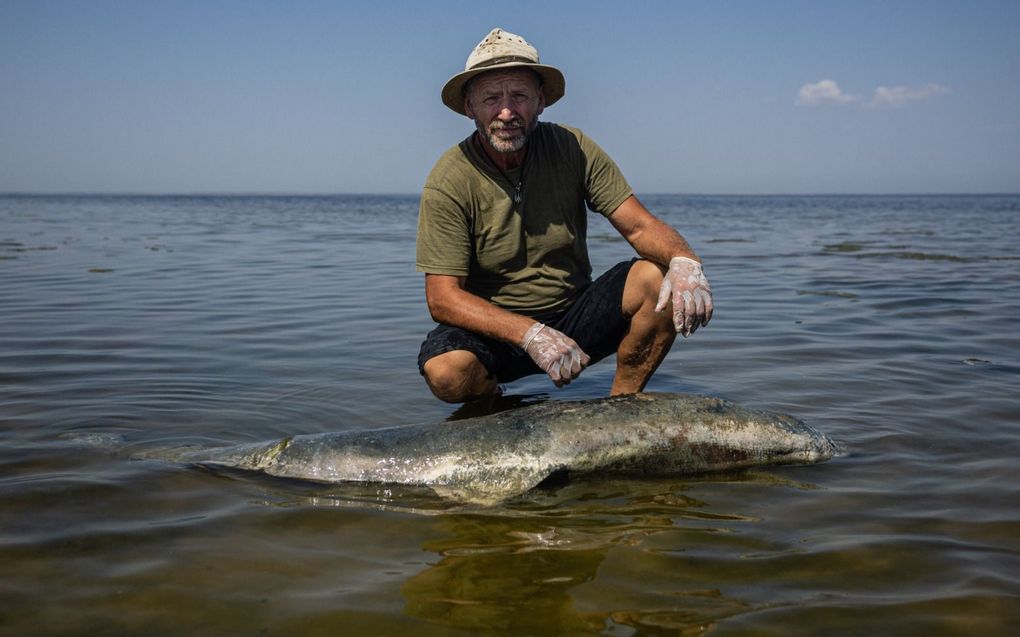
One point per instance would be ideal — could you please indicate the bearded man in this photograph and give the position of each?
(502, 233)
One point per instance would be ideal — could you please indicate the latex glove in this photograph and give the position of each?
(686, 286)
(555, 353)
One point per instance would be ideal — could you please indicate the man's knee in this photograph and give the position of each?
(641, 291)
(458, 376)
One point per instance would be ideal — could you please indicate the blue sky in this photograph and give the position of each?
(334, 97)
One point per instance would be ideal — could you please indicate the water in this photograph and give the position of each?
(131, 323)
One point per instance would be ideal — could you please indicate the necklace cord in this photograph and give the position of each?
(519, 186)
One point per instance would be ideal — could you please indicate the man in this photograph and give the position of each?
(502, 242)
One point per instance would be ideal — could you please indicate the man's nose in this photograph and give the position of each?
(506, 114)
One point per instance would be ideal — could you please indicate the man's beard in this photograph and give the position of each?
(511, 145)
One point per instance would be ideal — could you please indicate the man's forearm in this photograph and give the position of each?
(651, 238)
(452, 305)
(662, 243)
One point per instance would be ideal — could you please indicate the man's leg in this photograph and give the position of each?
(650, 335)
(458, 376)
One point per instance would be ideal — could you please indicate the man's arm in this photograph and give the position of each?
(554, 352)
(684, 283)
(650, 237)
(451, 304)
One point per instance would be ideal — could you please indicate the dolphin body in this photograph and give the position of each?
(491, 458)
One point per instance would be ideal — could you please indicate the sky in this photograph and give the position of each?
(297, 97)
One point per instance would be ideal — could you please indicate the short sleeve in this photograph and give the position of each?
(605, 186)
(444, 235)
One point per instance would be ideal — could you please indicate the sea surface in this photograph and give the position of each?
(133, 323)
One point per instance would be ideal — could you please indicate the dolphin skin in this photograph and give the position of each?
(491, 458)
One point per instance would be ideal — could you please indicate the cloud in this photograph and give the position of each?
(896, 96)
(824, 92)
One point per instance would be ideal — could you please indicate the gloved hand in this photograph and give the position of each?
(685, 284)
(555, 353)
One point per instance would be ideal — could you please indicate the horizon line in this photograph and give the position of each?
(225, 193)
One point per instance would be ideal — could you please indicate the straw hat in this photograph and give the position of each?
(503, 50)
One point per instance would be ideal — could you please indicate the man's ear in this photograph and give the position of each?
(470, 112)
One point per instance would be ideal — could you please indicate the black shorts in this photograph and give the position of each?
(595, 321)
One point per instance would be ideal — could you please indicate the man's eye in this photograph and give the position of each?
(489, 101)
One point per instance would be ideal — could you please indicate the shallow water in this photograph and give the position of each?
(131, 323)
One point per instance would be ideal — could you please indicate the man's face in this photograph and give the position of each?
(505, 106)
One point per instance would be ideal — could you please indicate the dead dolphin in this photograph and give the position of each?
(491, 458)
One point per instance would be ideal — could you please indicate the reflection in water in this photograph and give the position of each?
(532, 567)
(493, 576)
(495, 404)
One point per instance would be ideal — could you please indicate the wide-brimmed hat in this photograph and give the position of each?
(503, 50)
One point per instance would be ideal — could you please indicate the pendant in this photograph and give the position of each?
(517, 193)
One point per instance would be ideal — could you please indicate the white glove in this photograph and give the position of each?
(555, 353)
(685, 284)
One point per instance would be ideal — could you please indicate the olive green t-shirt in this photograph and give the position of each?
(529, 257)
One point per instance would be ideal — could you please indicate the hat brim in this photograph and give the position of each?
(553, 83)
